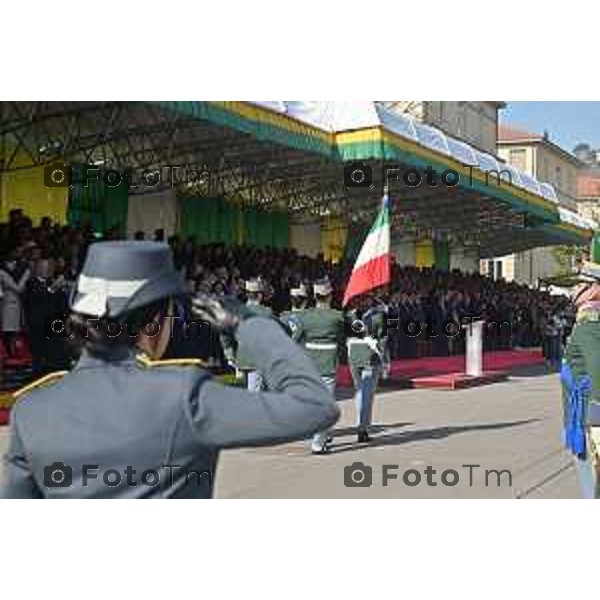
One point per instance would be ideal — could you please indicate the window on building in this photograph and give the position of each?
(499, 274)
(559, 180)
(517, 158)
(542, 170)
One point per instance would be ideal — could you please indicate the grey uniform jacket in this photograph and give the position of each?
(172, 420)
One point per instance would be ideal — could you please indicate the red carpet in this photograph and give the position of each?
(412, 370)
(445, 372)
(457, 381)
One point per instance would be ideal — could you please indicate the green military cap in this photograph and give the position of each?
(299, 292)
(590, 271)
(118, 277)
(322, 287)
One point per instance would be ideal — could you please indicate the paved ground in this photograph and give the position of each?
(514, 425)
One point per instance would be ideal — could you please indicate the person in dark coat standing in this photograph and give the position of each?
(40, 309)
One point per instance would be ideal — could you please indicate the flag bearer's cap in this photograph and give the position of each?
(118, 277)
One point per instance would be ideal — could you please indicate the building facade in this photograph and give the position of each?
(475, 122)
(538, 156)
(588, 194)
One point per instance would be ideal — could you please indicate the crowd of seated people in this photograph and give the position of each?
(39, 265)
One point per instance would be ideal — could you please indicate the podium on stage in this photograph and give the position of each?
(474, 348)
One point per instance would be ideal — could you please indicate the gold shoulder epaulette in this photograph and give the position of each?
(41, 382)
(170, 362)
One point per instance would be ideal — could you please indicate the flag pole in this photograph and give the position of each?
(386, 197)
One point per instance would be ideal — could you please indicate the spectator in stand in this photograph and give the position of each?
(14, 274)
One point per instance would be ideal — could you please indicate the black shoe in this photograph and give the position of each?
(363, 436)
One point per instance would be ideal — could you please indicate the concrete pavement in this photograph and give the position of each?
(512, 426)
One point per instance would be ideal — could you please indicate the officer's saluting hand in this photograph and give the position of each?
(124, 423)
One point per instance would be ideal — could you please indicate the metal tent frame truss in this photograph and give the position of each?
(261, 163)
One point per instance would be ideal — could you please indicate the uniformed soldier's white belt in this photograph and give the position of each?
(317, 346)
(368, 341)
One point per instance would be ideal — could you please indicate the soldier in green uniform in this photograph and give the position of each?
(290, 318)
(242, 356)
(580, 376)
(322, 335)
(365, 358)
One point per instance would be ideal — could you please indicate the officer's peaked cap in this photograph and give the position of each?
(590, 270)
(118, 277)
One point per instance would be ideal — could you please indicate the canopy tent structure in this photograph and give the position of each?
(495, 206)
(249, 151)
(262, 163)
(281, 155)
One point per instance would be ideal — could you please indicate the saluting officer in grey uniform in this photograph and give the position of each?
(291, 318)
(322, 336)
(126, 425)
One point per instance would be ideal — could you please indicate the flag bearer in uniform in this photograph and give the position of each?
(322, 336)
(580, 376)
(366, 348)
(365, 359)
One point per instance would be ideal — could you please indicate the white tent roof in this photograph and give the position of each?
(335, 117)
(329, 116)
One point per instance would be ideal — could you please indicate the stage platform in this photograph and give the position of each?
(447, 372)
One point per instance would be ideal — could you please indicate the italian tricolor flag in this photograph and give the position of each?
(372, 267)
